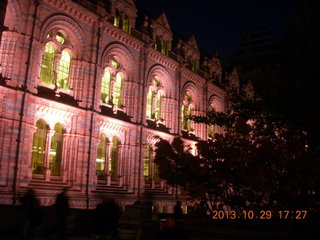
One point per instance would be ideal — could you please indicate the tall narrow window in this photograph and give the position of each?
(146, 165)
(149, 103)
(126, 24)
(164, 47)
(116, 21)
(158, 106)
(56, 150)
(157, 44)
(113, 163)
(47, 65)
(63, 70)
(105, 86)
(211, 130)
(39, 147)
(186, 112)
(193, 65)
(117, 90)
(101, 158)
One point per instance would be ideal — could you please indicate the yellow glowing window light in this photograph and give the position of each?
(47, 65)
(105, 86)
(39, 147)
(64, 70)
(101, 157)
(56, 150)
(117, 90)
(146, 164)
(149, 103)
(113, 168)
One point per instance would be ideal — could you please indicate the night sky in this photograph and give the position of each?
(220, 25)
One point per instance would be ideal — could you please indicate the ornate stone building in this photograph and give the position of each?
(87, 91)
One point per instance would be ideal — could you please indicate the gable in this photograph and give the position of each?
(193, 43)
(162, 20)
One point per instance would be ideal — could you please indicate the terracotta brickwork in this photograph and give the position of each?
(138, 58)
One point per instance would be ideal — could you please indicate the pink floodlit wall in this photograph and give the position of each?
(90, 106)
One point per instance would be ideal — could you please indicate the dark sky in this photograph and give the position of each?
(219, 25)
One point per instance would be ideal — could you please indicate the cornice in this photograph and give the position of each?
(75, 10)
(216, 90)
(162, 59)
(123, 37)
(188, 74)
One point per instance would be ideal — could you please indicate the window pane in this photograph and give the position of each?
(149, 103)
(114, 159)
(105, 86)
(47, 65)
(117, 91)
(146, 169)
(101, 157)
(56, 150)
(63, 70)
(39, 147)
(158, 107)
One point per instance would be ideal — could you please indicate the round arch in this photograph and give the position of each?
(72, 30)
(161, 73)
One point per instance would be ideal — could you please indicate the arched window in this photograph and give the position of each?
(193, 65)
(117, 88)
(63, 70)
(186, 112)
(211, 131)
(56, 150)
(147, 165)
(105, 86)
(47, 65)
(154, 101)
(150, 169)
(157, 44)
(39, 147)
(164, 47)
(101, 157)
(149, 103)
(113, 163)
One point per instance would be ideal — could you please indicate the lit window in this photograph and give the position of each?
(149, 103)
(186, 112)
(158, 106)
(211, 130)
(60, 38)
(117, 90)
(47, 65)
(164, 47)
(113, 163)
(115, 63)
(56, 150)
(154, 102)
(63, 70)
(116, 21)
(39, 147)
(105, 86)
(126, 24)
(101, 158)
(146, 171)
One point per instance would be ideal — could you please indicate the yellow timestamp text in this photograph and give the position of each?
(262, 214)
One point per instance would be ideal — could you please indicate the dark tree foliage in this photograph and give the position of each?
(260, 161)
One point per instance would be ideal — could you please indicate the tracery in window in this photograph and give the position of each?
(56, 150)
(55, 73)
(39, 147)
(154, 101)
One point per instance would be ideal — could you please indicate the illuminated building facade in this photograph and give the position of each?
(86, 91)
